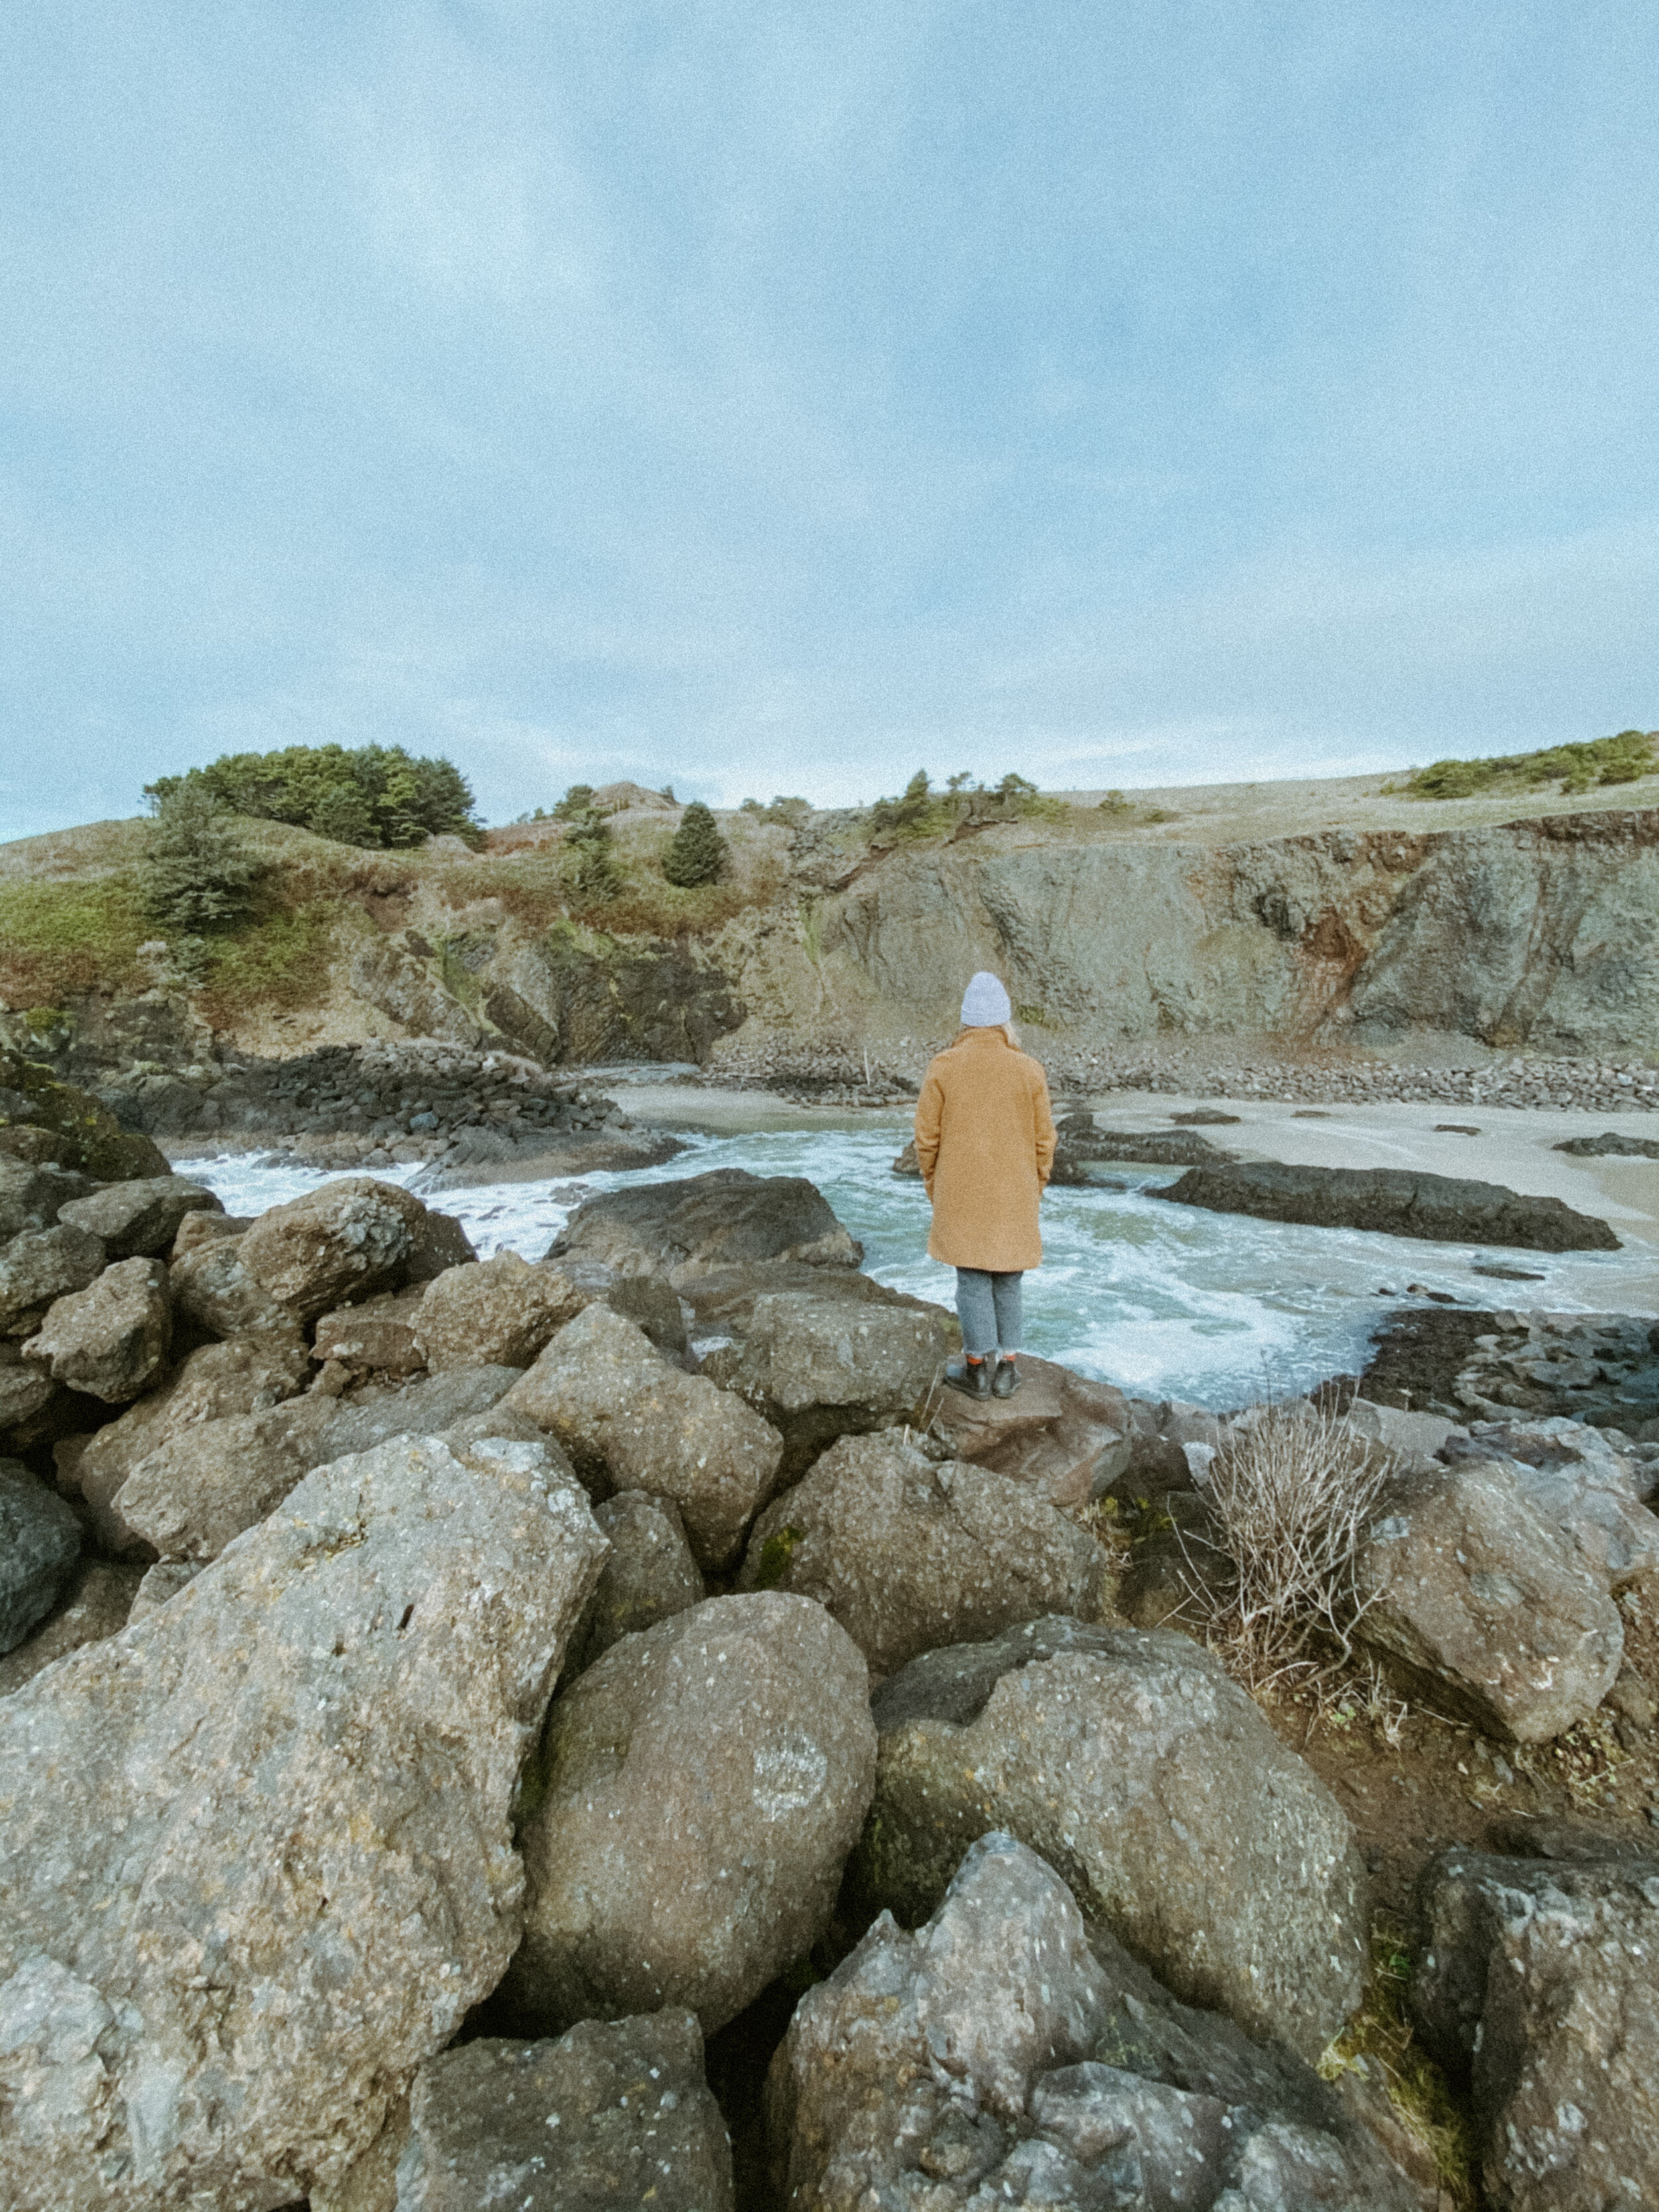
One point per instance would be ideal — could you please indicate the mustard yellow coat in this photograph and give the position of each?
(985, 1144)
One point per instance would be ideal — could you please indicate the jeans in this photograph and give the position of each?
(988, 1306)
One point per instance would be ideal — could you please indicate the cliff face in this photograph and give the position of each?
(1543, 933)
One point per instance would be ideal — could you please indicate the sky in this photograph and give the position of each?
(779, 397)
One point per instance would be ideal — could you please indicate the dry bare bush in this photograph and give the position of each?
(1289, 1494)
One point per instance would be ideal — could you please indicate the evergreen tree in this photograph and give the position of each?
(197, 870)
(696, 853)
(590, 864)
(375, 795)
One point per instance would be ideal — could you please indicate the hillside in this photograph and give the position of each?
(1333, 912)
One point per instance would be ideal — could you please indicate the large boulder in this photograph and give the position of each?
(25, 1389)
(332, 1245)
(631, 1421)
(1570, 1474)
(189, 1498)
(494, 1313)
(39, 1265)
(82, 1132)
(1464, 1582)
(1006, 2052)
(694, 1799)
(616, 2112)
(31, 1194)
(1535, 1984)
(818, 1366)
(375, 1338)
(111, 1339)
(1084, 1139)
(906, 1553)
(244, 1375)
(649, 1576)
(94, 1603)
(1067, 1439)
(725, 1218)
(40, 1544)
(140, 1219)
(1152, 1782)
(1392, 1202)
(213, 1291)
(287, 1795)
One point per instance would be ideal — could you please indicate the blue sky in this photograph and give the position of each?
(781, 398)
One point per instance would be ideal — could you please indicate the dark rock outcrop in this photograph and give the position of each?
(727, 1217)
(1392, 1202)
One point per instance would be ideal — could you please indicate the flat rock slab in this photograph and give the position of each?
(1392, 1202)
(1070, 1439)
(616, 2112)
(258, 1858)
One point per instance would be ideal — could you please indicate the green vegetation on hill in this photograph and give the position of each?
(376, 796)
(921, 812)
(198, 871)
(1578, 768)
(696, 852)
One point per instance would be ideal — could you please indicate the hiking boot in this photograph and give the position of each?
(971, 1377)
(1006, 1380)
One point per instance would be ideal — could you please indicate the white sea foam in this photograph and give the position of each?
(1166, 1301)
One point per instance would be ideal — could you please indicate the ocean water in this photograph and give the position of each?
(1165, 1301)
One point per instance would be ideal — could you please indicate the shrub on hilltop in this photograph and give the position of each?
(196, 871)
(378, 796)
(696, 852)
(1621, 759)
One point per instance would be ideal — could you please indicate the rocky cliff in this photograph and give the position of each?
(1542, 932)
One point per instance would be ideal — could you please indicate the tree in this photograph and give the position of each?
(197, 871)
(375, 795)
(696, 853)
(590, 864)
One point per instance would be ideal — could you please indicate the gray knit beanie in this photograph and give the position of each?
(985, 1003)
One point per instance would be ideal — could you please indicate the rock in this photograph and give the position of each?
(437, 1243)
(819, 1367)
(111, 1339)
(380, 1654)
(162, 1582)
(907, 1554)
(1083, 1137)
(1206, 1117)
(631, 1421)
(212, 1289)
(1465, 1582)
(649, 1576)
(694, 1799)
(1006, 2052)
(635, 2124)
(26, 1389)
(31, 1192)
(1410, 1438)
(204, 1228)
(333, 1244)
(376, 1338)
(191, 1496)
(1392, 1202)
(246, 1375)
(1065, 1437)
(39, 1265)
(139, 1218)
(40, 1544)
(81, 1131)
(1612, 1144)
(724, 1218)
(1153, 1784)
(95, 1602)
(1535, 1979)
(498, 1313)
(1571, 1475)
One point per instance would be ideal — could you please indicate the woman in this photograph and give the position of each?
(985, 1144)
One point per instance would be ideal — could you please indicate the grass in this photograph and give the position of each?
(1379, 2040)
(1578, 768)
(279, 960)
(60, 939)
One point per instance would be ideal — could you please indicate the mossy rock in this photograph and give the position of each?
(85, 1134)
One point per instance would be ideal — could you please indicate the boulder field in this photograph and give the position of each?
(449, 1730)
